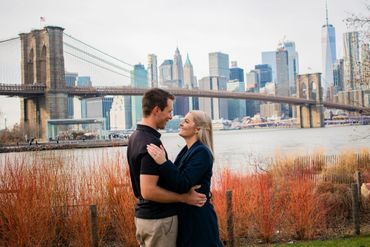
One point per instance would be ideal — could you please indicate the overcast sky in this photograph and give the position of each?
(131, 29)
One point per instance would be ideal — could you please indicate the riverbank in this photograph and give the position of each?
(45, 199)
(61, 145)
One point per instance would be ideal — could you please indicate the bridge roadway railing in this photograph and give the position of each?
(86, 92)
(102, 91)
(22, 89)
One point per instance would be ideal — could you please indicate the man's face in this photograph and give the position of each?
(164, 116)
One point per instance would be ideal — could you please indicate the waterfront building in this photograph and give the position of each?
(270, 110)
(328, 44)
(152, 70)
(120, 113)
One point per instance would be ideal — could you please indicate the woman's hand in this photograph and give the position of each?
(158, 154)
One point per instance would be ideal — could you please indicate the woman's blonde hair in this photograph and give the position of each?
(204, 123)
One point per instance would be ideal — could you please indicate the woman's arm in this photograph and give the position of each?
(196, 166)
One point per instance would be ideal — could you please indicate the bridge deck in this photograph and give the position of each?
(86, 92)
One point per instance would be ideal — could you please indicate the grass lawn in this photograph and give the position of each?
(362, 241)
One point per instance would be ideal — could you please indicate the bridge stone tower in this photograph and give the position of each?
(42, 62)
(309, 87)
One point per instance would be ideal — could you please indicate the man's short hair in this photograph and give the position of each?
(155, 97)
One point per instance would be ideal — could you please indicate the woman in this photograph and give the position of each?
(193, 166)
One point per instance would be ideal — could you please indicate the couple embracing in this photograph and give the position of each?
(173, 198)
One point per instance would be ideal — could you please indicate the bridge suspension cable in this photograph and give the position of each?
(10, 55)
(100, 66)
(106, 54)
(8, 40)
(89, 55)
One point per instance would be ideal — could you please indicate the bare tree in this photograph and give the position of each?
(361, 23)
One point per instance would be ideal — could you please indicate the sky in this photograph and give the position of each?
(131, 29)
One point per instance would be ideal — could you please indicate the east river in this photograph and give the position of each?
(240, 149)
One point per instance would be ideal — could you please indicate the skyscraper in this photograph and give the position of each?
(84, 81)
(236, 73)
(264, 73)
(338, 72)
(152, 70)
(352, 74)
(253, 81)
(178, 70)
(190, 82)
(365, 62)
(165, 71)
(216, 108)
(71, 79)
(329, 55)
(269, 57)
(139, 78)
(219, 65)
(236, 107)
(292, 64)
(282, 72)
(189, 79)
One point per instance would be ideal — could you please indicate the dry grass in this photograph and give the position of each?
(50, 203)
(45, 201)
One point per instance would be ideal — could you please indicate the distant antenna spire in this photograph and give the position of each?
(326, 8)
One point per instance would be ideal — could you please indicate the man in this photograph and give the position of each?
(156, 209)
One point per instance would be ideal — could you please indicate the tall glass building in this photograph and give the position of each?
(139, 78)
(237, 74)
(264, 73)
(329, 55)
(269, 57)
(84, 81)
(71, 79)
(292, 64)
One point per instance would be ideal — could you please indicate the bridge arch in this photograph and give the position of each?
(309, 87)
(42, 65)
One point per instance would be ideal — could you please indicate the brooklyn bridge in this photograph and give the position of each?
(43, 90)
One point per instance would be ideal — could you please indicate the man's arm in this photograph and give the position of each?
(151, 191)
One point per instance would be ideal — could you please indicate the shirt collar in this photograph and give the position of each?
(149, 129)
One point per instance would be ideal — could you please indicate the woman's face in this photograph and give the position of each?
(187, 127)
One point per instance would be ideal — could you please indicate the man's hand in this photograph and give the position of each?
(194, 198)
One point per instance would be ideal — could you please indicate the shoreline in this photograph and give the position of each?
(62, 145)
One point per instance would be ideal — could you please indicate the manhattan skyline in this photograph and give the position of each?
(131, 30)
